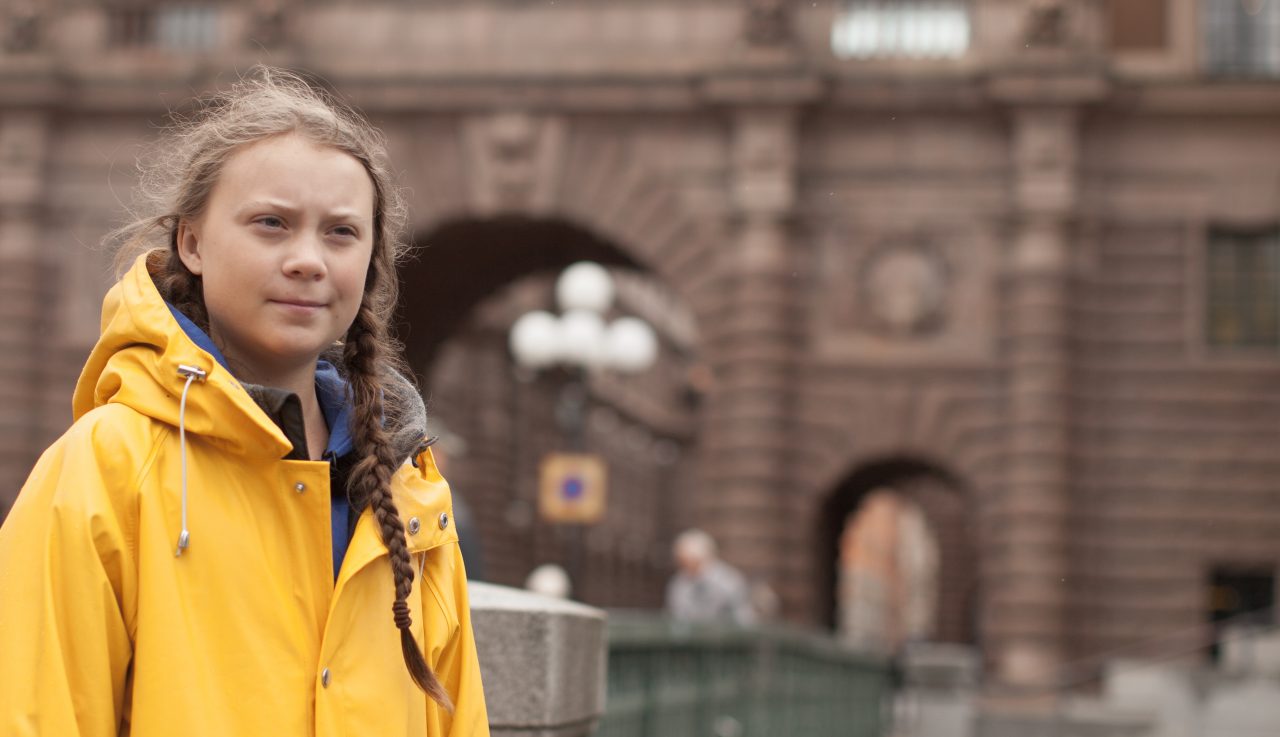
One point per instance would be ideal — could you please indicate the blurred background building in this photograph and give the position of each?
(1002, 274)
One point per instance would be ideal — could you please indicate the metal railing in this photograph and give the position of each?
(675, 680)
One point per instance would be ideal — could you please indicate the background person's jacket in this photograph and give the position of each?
(104, 630)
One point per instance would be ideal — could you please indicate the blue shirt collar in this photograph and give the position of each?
(198, 336)
(331, 391)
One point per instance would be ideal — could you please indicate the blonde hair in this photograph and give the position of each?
(177, 182)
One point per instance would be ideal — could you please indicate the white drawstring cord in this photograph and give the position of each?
(192, 373)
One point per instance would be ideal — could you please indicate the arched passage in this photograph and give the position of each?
(461, 262)
(471, 280)
(942, 499)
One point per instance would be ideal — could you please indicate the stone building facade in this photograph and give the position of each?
(1016, 265)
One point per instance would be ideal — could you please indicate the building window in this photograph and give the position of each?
(1244, 288)
(181, 27)
(1240, 597)
(1241, 37)
(1138, 25)
(187, 27)
(924, 29)
(130, 27)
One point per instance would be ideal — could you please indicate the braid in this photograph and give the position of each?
(370, 482)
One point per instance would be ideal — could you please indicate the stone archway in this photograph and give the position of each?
(460, 299)
(535, 188)
(463, 261)
(704, 206)
(942, 500)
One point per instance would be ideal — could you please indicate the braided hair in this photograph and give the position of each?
(364, 358)
(177, 184)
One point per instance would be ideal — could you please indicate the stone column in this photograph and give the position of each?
(1029, 587)
(754, 353)
(24, 286)
(542, 661)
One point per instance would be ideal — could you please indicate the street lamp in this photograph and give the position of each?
(572, 485)
(579, 339)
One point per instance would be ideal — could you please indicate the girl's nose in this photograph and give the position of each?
(305, 259)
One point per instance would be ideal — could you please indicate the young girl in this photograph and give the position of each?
(244, 533)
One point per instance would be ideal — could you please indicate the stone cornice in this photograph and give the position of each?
(38, 83)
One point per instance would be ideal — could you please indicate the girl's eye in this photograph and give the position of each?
(346, 231)
(270, 221)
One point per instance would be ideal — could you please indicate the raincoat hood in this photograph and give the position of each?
(141, 339)
(143, 336)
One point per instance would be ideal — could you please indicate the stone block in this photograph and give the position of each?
(941, 667)
(1251, 650)
(1165, 691)
(542, 661)
(920, 713)
(1063, 718)
(1095, 718)
(1248, 708)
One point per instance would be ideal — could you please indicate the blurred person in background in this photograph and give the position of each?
(705, 588)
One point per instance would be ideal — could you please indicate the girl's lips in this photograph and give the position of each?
(297, 302)
(298, 307)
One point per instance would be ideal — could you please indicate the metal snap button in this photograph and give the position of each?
(324, 678)
(414, 525)
(299, 487)
(444, 520)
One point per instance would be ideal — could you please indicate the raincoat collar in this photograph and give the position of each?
(136, 360)
(331, 388)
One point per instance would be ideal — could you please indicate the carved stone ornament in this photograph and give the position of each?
(1046, 24)
(513, 158)
(21, 28)
(903, 289)
(768, 23)
(269, 23)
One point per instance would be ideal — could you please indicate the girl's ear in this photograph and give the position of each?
(189, 247)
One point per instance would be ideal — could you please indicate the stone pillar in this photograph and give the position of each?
(24, 286)
(1048, 65)
(1029, 589)
(542, 662)
(754, 354)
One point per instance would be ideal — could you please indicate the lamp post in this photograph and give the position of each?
(579, 341)
(579, 337)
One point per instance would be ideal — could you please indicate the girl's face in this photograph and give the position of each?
(283, 249)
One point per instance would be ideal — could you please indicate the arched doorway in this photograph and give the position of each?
(896, 554)
(461, 262)
(471, 281)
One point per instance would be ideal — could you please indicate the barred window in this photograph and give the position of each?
(130, 26)
(187, 27)
(173, 27)
(1241, 38)
(926, 29)
(1243, 294)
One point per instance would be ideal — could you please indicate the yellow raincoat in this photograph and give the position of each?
(104, 631)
